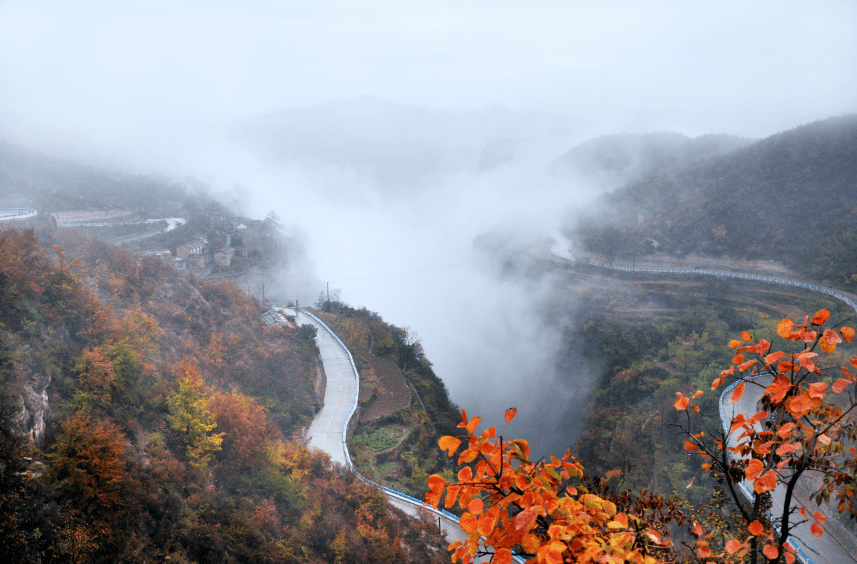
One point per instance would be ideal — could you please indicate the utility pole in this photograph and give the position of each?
(328, 296)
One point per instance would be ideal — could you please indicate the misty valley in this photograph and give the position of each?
(281, 360)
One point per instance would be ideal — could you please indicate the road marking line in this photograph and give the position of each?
(324, 437)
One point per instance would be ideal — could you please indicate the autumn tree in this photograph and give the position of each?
(245, 429)
(797, 428)
(190, 416)
(91, 472)
(539, 510)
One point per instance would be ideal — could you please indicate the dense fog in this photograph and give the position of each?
(389, 136)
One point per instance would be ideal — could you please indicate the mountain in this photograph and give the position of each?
(791, 197)
(613, 160)
(35, 180)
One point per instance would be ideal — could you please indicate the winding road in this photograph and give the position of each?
(836, 546)
(329, 429)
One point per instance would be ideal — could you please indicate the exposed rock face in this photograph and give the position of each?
(30, 385)
(35, 408)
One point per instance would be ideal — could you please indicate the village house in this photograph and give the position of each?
(197, 247)
(223, 257)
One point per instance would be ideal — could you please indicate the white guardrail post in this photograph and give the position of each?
(9, 214)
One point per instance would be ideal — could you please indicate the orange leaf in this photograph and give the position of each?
(758, 417)
(798, 406)
(840, 385)
(754, 467)
(476, 506)
(697, 394)
(526, 519)
(756, 528)
(729, 371)
(831, 337)
(502, 556)
(819, 516)
(762, 347)
(451, 496)
(552, 553)
(436, 483)
(808, 336)
(745, 365)
(787, 449)
(734, 343)
(746, 336)
(816, 530)
(449, 444)
(820, 317)
(778, 389)
(488, 521)
(690, 446)
(697, 529)
(739, 391)
(468, 523)
(766, 482)
(784, 328)
(817, 390)
(733, 546)
(681, 402)
(786, 430)
(531, 543)
(472, 424)
(773, 357)
(847, 333)
(465, 474)
(510, 413)
(717, 382)
(770, 551)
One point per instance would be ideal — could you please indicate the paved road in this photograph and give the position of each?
(328, 429)
(830, 548)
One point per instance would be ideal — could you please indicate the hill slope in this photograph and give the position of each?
(159, 411)
(628, 157)
(791, 197)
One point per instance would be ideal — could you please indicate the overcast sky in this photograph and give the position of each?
(104, 70)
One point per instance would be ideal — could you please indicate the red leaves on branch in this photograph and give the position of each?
(796, 429)
(512, 502)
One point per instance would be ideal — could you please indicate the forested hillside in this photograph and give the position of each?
(148, 416)
(628, 157)
(47, 183)
(791, 197)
